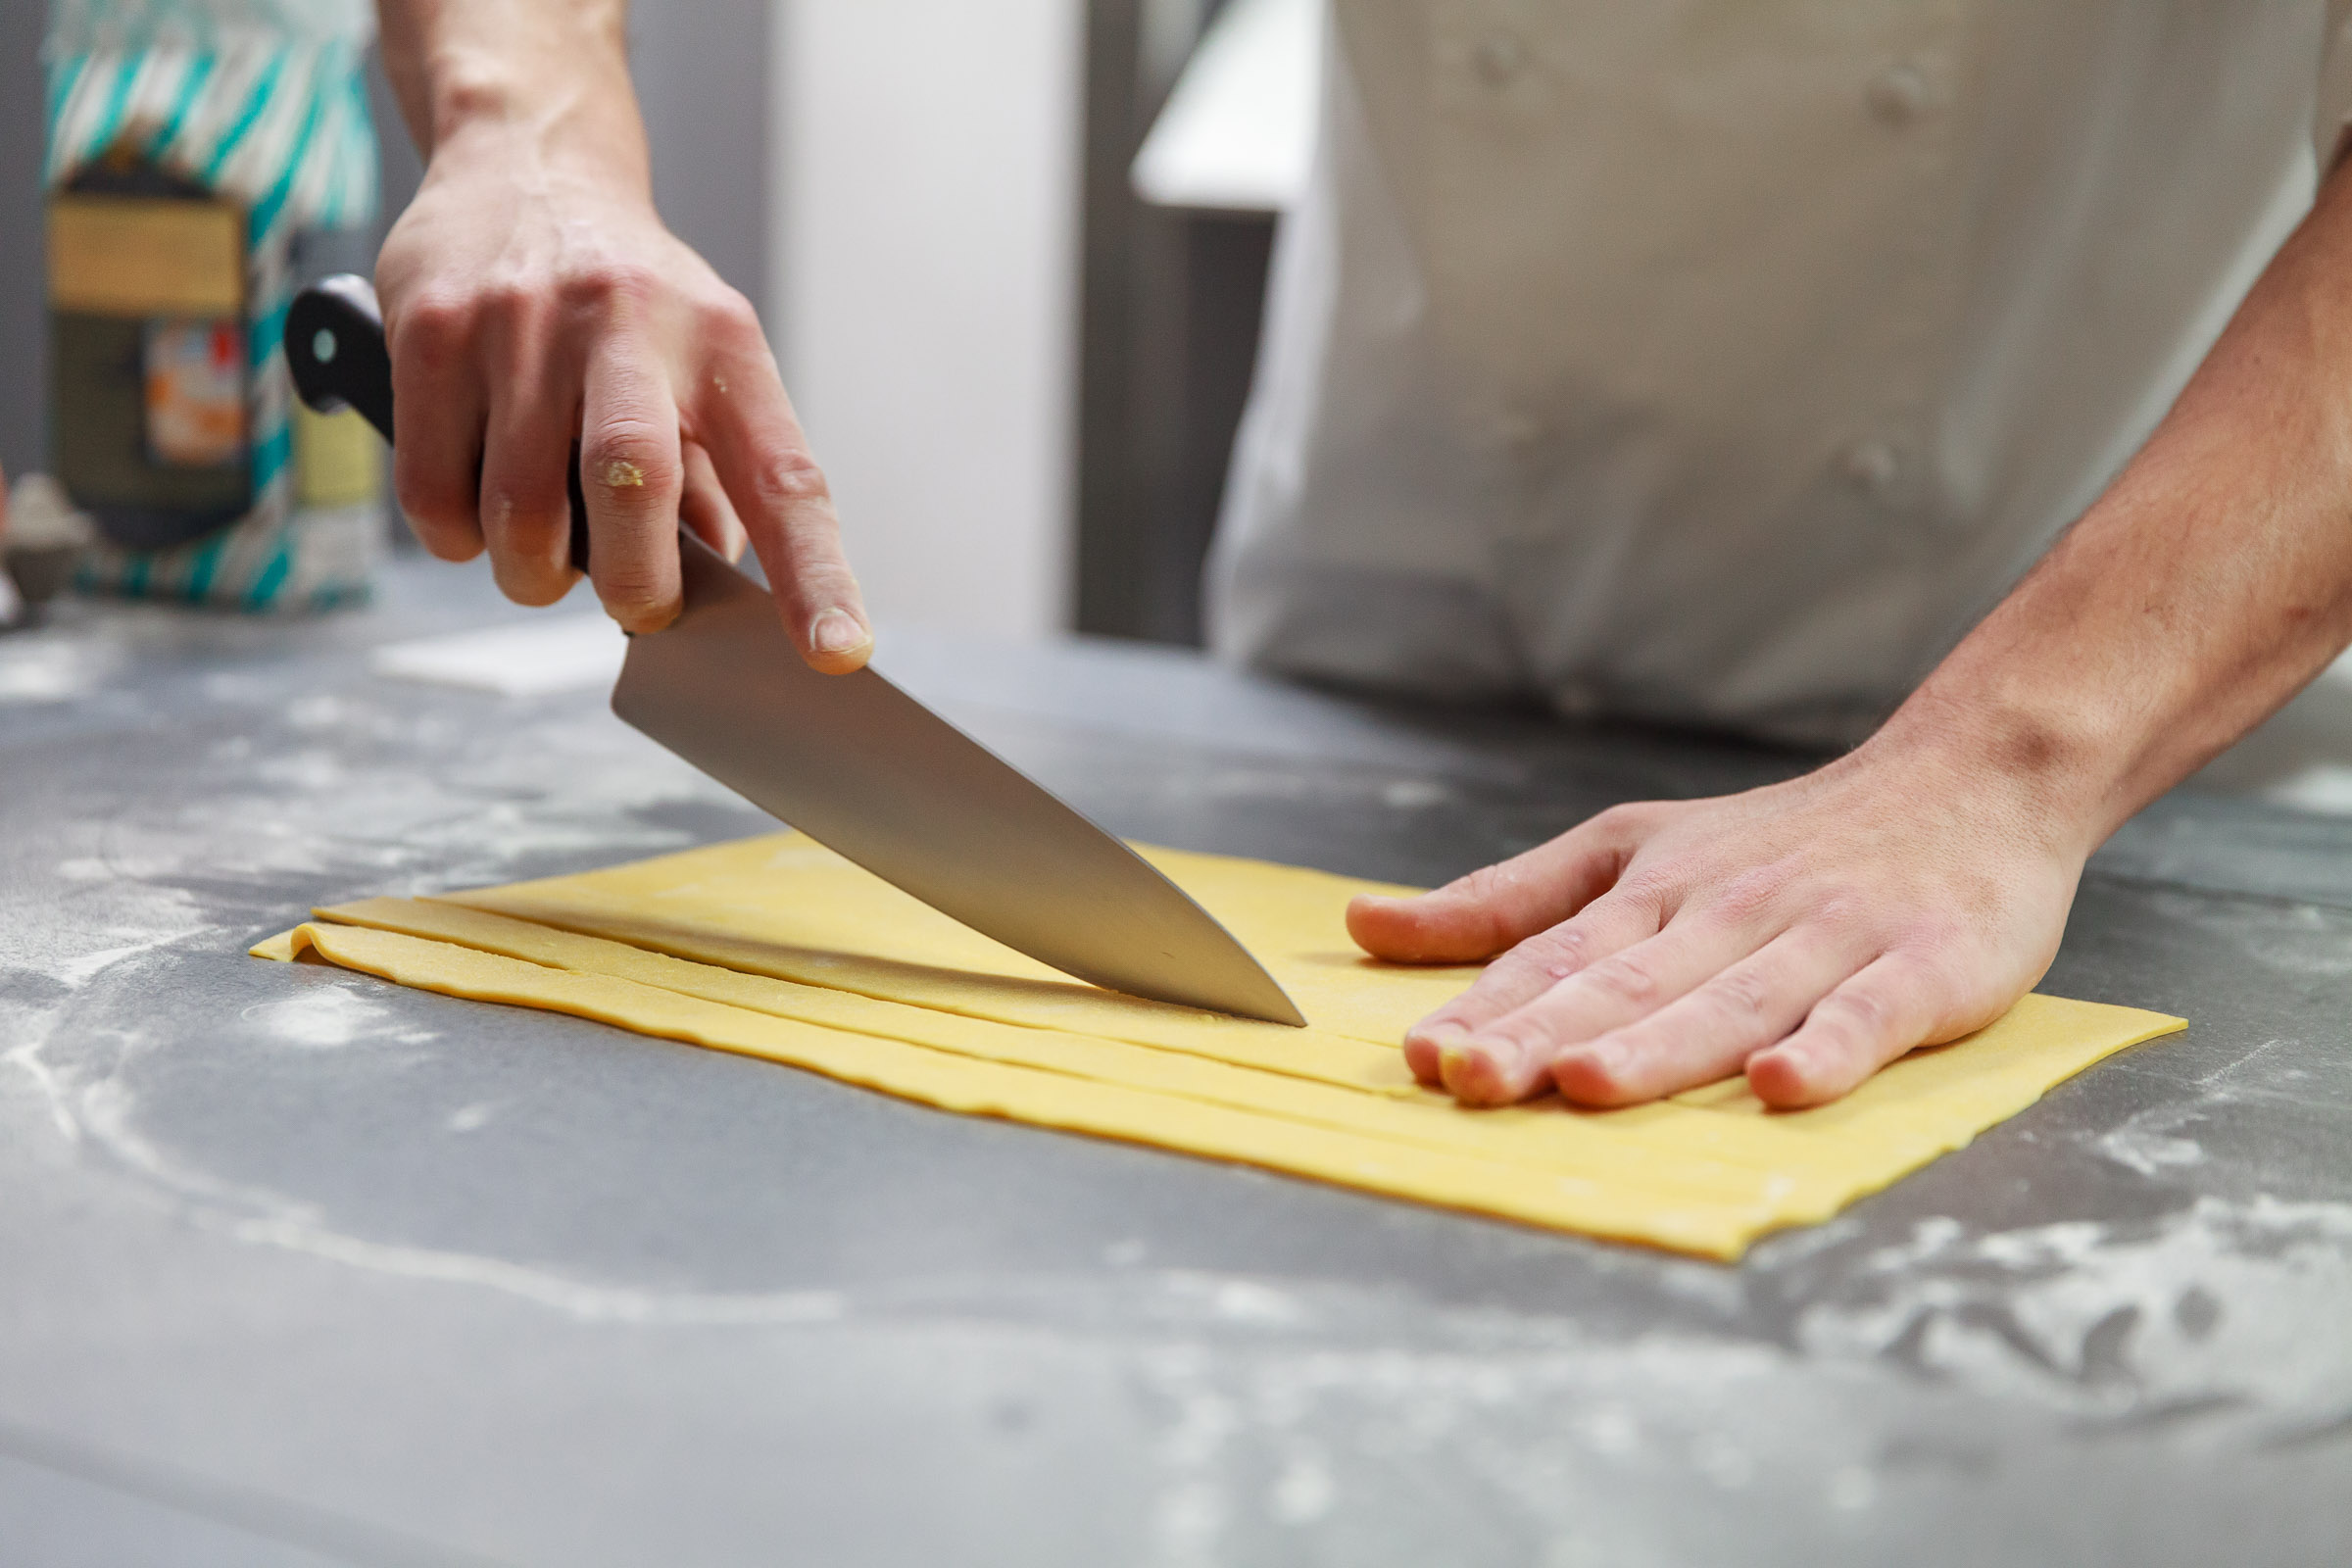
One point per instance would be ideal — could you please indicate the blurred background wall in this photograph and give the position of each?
(23, 371)
(1021, 378)
(923, 292)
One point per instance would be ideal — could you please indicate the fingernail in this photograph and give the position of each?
(1465, 1061)
(835, 632)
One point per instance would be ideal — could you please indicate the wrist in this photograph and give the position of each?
(542, 152)
(563, 105)
(2029, 765)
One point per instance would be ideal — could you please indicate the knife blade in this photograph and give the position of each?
(853, 760)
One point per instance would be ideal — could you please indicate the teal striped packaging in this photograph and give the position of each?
(263, 103)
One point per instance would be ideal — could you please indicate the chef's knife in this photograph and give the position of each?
(850, 759)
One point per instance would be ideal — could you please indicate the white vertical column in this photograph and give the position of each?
(924, 266)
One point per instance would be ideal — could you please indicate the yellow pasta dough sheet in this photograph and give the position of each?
(777, 947)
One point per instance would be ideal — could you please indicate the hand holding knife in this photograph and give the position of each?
(853, 760)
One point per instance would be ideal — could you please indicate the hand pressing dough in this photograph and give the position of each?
(776, 948)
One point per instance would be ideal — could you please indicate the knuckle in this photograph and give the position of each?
(623, 454)
(730, 319)
(1483, 885)
(1654, 888)
(1625, 978)
(1500, 883)
(790, 477)
(1624, 820)
(1485, 898)
(1753, 894)
(1740, 994)
(1841, 913)
(625, 432)
(1557, 952)
(630, 588)
(600, 287)
(526, 512)
(431, 498)
(524, 492)
(1522, 1033)
(507, 301)
(432, 331)
(1858, 1013)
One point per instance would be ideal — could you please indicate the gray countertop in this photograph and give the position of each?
(299, 1267)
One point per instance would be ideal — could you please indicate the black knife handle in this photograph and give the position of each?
(335, 347)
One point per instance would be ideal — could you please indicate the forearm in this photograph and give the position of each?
(544, 80)
(2209, 583)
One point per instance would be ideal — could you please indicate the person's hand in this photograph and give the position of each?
(1808, 932)
(532, 303)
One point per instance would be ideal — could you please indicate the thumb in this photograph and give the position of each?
(1499, 907)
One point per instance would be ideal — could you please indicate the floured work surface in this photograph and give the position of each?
(775, 947)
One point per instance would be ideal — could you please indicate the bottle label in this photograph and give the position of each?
(195, 372)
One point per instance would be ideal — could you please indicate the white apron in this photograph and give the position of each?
(1722, 362)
